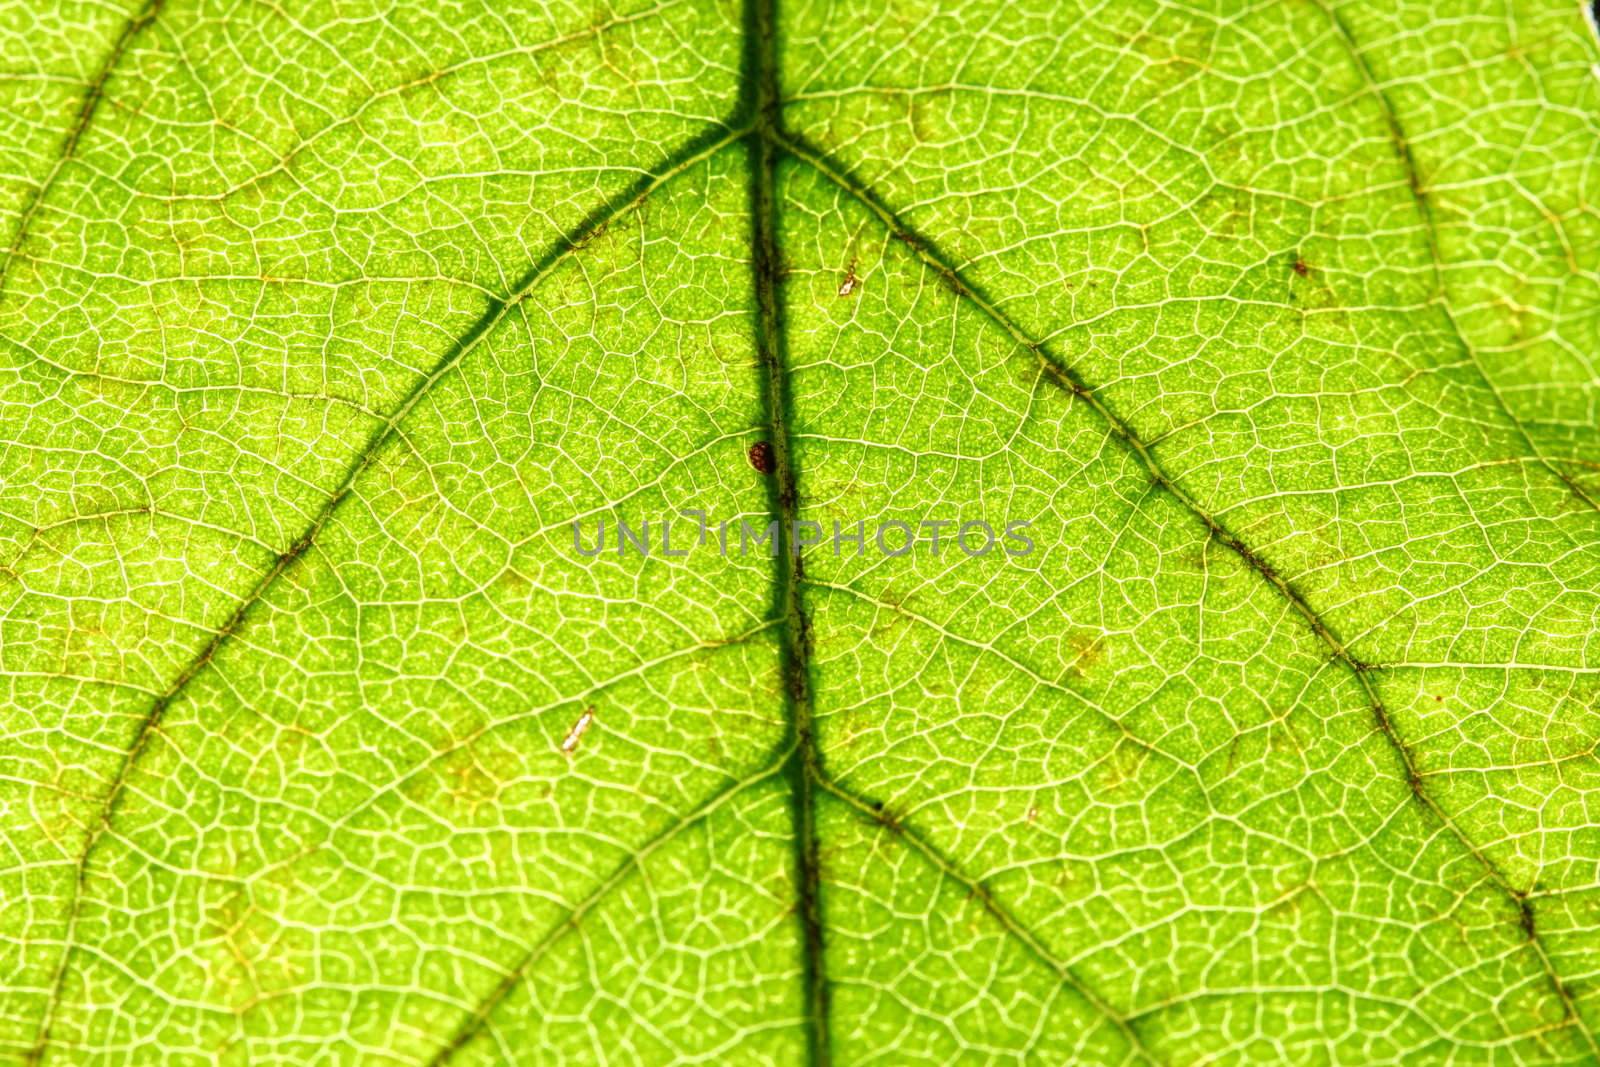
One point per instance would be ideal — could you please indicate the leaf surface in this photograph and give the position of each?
(322, 326)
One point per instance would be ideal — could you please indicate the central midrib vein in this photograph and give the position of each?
(761, 95)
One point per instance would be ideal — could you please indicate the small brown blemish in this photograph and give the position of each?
(1301, 267)
(850, 282)
(473, 784)
(1087, 650)
(761, 457)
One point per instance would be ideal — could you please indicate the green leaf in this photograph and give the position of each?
(323, 326)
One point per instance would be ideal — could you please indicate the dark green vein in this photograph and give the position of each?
(696, 151)
(1058, 371)
(69, 145)
(474, 1023)
(761, 95)
(1430, 230)
(1013, 926)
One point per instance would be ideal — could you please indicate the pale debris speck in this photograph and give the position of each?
(570, 743)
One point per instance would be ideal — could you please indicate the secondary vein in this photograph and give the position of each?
(92, 96)
(695, 152)
(1066, 378)
(1430, 230)
(1015, 927)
